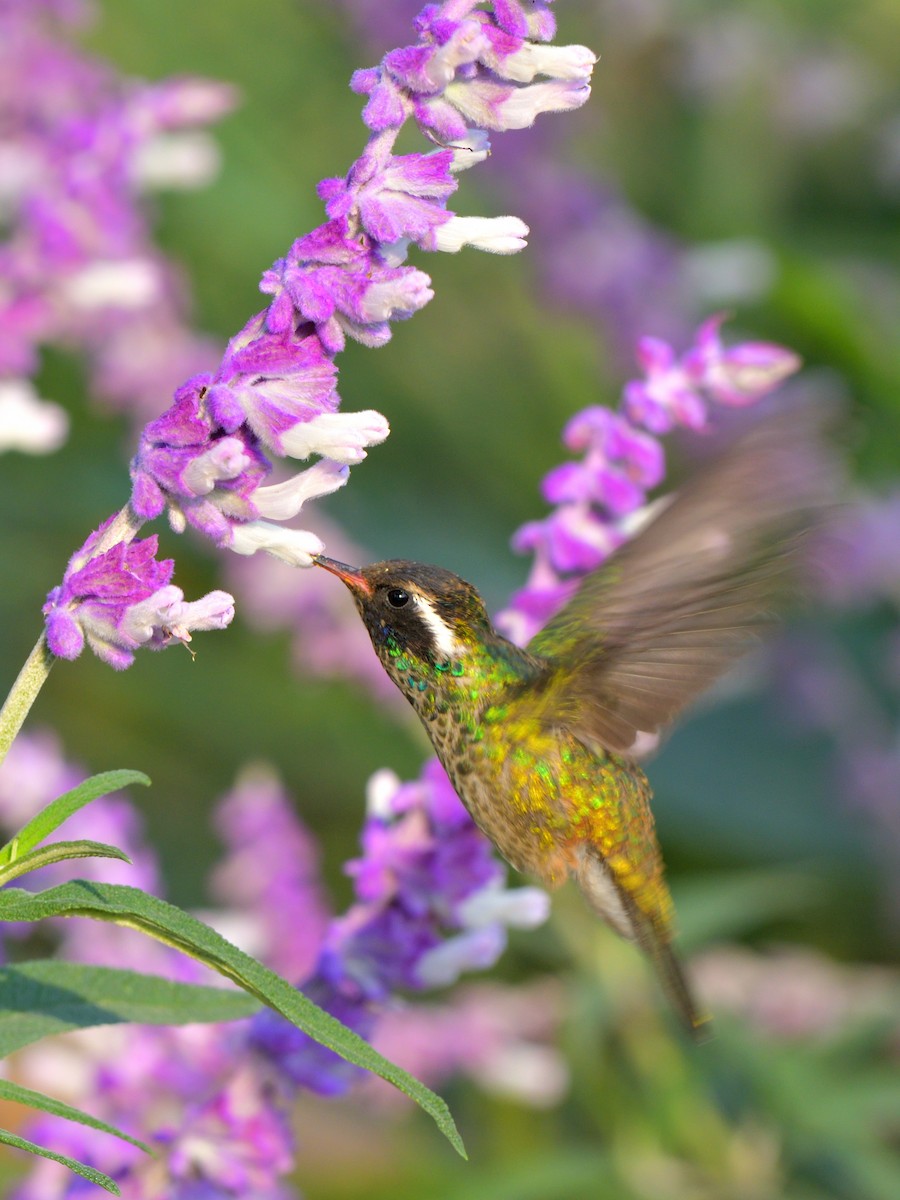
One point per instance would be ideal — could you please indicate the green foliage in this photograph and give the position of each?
(137, 910)
(49, 819)
(45, 856)
(49, 996)
(80, 1168)
(41, 998)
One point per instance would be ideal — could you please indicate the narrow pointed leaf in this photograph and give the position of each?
(60, 809)
(50, 996)
(53, 852)
(101, 1180)
(131, 907)
(56, 1108)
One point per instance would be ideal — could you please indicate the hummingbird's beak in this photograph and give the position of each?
(352, 576)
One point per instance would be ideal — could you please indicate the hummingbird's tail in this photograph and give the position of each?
(616, 907)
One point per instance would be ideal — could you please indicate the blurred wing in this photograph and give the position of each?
(690, 593)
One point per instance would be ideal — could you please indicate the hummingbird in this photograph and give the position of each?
(540, 742)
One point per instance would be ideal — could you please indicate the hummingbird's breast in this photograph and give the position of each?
(536, 791)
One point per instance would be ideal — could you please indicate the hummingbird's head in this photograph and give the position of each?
(422, 612)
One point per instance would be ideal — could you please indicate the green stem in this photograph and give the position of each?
(37, 666)
(23, 693)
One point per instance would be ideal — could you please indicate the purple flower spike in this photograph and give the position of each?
(121, 600)
(739, 375)
(203, 459)
(274, 394)
(599, 500)
(393, 195)
(431, 903)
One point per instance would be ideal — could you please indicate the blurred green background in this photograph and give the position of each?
(691, 118)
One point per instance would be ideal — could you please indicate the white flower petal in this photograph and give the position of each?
(526, 104)
(142, 620)
(574, 63)
(176, 160)
(380, 792)
(281, 501)
(521, 908)
(477, 949)
(498, 235)
(296, 547)
(28, 423)
(340, 436)
(127, 283)
(226, 459)
(470, 150)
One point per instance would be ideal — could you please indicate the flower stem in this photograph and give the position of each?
(23, 693)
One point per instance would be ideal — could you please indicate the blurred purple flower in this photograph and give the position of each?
(80, 146)
(501, 1037)
(430, 904)
(599, 499)
(794, 993)
(238, 1143)
(270, 874)
(864, 552)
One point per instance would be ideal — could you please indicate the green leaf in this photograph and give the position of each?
(54, 852)
(50, 996)
(56, 1108)
(133, 908)
(60, 809)
(104, 1181)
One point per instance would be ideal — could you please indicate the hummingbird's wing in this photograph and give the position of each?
(671, 609)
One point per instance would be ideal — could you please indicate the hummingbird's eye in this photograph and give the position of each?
(397, 597)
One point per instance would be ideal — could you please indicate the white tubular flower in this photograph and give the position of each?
(521, 908)
(281, 501)
(28, 423)
(384, 300)
(225, 459)
(176, 160)
(395, 254)
(215, 610)
(525, 104)
(380, 791)
(166, 615)
(470, 150)
(474, 950)
(497, 235)
(571, 63)
(339, 436)
(296, 547)
(128, 283)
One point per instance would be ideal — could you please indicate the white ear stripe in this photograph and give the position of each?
(444, 641)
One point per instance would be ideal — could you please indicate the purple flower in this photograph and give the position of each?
(270, 875)
(475, 67)
(740, 374)
(394, 195)
(80, 146)
(599, 499)
(501, 1037)
(237, 1143)
(121, 600)
(274, 394)
(431, 904)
